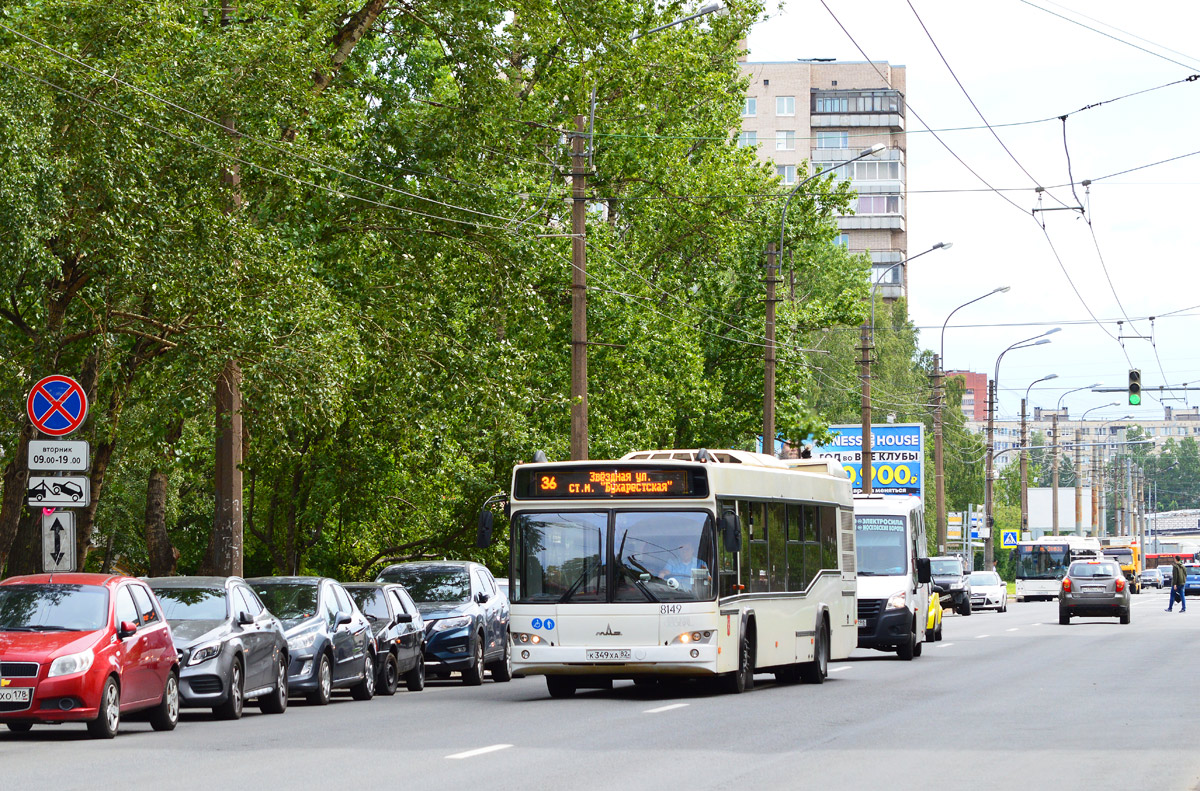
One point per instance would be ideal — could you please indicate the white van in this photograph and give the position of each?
(893, 572)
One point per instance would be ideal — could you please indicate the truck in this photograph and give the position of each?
(1126, 552)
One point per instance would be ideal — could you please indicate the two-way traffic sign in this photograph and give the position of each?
(58, 541)
(73, 490)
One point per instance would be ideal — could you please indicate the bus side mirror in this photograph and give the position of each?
(483, 535)
(731, 531)
(923, 571)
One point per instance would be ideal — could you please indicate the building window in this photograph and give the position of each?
(878, 204)
(750, 108)
(785, 140)
(831, 104)
(787, 173)
(842, 239)
(785, 105)
(833, 139)
(871, 170)
(748, 140)
(886, 274)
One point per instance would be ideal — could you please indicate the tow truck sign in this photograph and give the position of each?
(69, 491)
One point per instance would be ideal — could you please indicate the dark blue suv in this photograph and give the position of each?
(466, 617)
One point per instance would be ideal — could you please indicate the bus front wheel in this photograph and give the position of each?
(560, 686)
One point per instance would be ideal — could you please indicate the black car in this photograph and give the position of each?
(330, 642)
(399, 634)
(466, 617)
(230, 647)
(950, 579)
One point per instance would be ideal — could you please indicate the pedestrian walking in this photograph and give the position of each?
(1178, 580)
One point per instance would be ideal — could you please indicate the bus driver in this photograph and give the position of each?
(681, 564)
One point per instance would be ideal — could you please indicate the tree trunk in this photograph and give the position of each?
(163, 555)
(26, 557)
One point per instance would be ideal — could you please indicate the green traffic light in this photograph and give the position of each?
(1135, 399)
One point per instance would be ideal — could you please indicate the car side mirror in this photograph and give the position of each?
(342, 618)
(481, 597)
(244, 618)
(924, 573)
(731, 531)
(483, 534)
(126, 629)
(404, 618)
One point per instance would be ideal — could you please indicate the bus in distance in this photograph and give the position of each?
(1042, 562)
(680, 563)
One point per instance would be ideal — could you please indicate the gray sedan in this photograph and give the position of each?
(1094, 588)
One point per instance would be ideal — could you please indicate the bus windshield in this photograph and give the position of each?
(656, 556)
(881, 545)
(1042, 561)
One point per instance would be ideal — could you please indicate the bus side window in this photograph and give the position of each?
(776, 538)
(796, 580)
(755, 569)
(727, 570)
(829, 527)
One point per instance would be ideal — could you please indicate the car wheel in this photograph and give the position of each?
(1125, 615)
(1064, 616)
(20, 727)
(365, 689)
(275, 702)
(165, 716)
(235, 702)
(938, 638)
(560, 686)
(320, 696)
(108, 718)
(473, 675)
(415, 678)
(742, 679)
(907, 650)
(389, 676)
(502, 670)
(816, 671)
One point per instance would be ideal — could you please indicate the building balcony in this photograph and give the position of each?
(872, 222)
(892, 122)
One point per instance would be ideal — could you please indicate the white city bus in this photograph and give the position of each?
(1042, 562)
(681, 563)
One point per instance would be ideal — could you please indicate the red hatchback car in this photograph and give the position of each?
(85, 648)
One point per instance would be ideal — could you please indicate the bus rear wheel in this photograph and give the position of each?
(816, 671)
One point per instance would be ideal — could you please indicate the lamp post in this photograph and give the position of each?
(939, 475)
(988, 504)
(868, 344)
(1103, 505)
(1025, 454)
(580, 160)
(1054, 458)
(1092, 478)
(769, 347)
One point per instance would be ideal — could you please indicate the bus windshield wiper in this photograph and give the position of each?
(574, 587)
(645, 590)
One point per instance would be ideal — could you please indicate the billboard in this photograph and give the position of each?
(897, 456)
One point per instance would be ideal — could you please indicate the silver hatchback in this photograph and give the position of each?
(1093, 588)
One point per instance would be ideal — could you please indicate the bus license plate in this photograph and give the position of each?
(608, 654)
(16, 695)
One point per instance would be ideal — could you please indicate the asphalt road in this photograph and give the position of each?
(1005, 701)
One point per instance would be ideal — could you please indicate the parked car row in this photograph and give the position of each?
(94, 648)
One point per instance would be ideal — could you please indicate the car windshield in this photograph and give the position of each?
(1192, 571)
(53, 608)
(371, 602)
(984, 578)
(289, 601)
(1082, 570)
(662, 556)
(945, 568)
(193, 604)
(429, 584)
(882, 549)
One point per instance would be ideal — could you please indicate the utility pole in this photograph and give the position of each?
(579, 384)
(1129, 529)
(1054, 471)
(1097, 481)
(1024, 473)
(939, 470)
(866, 349)
(1078, 486)
(989, 505)
(769, 357)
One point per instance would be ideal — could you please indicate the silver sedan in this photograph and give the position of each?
(1093, 588)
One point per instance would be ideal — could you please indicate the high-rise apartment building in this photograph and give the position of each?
(824, 113)
(974, 399)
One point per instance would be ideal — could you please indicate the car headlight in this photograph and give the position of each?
(302, 642)
(205, 653)
(956, 586)
(71, 663)
(452, 623)
(897, 601)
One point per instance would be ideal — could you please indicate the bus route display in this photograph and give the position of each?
(565, 483)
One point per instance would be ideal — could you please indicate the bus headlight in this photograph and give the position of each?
(698, 636)
(523, 637)
(897, 601)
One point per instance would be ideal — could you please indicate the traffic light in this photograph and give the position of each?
(1135, 387)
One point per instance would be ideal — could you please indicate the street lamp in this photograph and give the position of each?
(868, 339)
(988, 504)
(939, 475)
(1025, 454)
(769, 348)
(1054, 461)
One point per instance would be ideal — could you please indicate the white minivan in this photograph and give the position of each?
(893, 572)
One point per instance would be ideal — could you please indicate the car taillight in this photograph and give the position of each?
(1067, 584)
(1120, 585)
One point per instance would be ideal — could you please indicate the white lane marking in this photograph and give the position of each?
(1014, 629)
(661, 709)
(981, 636)
(945, 645)
(838, 669)
(480, 751)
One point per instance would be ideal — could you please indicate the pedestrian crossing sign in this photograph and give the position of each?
(1008, 539)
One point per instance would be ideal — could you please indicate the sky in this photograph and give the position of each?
(1019, 63)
